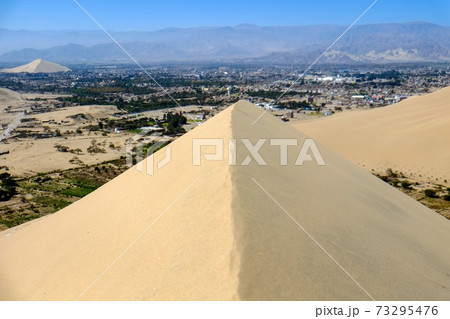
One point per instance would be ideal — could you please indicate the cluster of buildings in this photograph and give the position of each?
(214, 84)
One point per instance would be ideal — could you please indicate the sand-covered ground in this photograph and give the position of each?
(92, 112)
(9, 97)
(411, 137)
(30, 156)
(242, 232)
(14, 101)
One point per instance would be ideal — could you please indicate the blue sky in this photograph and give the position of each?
(154, 15)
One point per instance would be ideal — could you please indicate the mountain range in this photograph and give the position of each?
(374, 43)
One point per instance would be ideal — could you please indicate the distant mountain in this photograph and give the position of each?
(404, 42)
(408, 42)
(37, 66)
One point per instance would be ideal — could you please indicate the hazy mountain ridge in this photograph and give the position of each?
(405, 42)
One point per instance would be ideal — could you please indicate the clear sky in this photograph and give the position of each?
(124, 15)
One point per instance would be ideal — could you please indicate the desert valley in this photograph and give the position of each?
(234, 162)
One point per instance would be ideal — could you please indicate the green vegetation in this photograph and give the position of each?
(130, 124)
(406, 185)
(271, 94)
(84, 181)
(46, 193)
(122, 87)
(28, 119)
(430, 193)
(133, 106)
(174, 123)
(77, 191)
(447, 196)
(296, 105)
(153, 104)
(146, 150)
(95, 148)
(55, 203)
(17, 220)
(57, 133)
(65, 149)
(431, 199)
(7, 187)
(316, 114)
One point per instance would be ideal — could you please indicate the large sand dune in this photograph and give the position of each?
(37, 66)
(210, 232)
(412, 136)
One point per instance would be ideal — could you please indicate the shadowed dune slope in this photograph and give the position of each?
(210, 232)
(412, 136)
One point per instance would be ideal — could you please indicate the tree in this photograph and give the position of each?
(175, 122)
(57, 133)
(7, 187)
(430, 193)
(406, 185)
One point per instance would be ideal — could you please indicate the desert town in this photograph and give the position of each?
(66, 133)
(196, 151)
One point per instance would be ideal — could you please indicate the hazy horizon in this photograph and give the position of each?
(93, 29)
(393, 42)
(144, 16)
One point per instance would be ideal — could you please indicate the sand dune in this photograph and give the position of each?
(210, 232)
(92, 112)
(412, 136)
(37, 66)
(8, 96)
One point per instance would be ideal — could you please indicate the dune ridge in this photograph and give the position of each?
(209, 232)
(411, 136)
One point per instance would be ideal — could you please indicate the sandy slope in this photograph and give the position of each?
(8, 96)
(13, 103)
(412, 136)
(37, 66)
(196, 233)
(224, 238)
